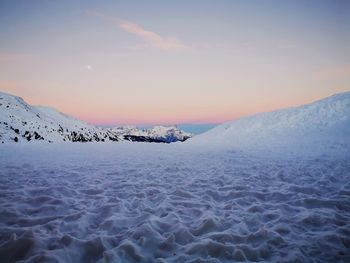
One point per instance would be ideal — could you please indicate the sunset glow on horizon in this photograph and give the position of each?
(156, 62)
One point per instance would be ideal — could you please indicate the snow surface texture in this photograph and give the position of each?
(21, 122)
(127, 202)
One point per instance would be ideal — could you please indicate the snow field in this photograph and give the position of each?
(144, 202)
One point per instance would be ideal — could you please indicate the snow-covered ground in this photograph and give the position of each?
(274, 187)
(127, 202)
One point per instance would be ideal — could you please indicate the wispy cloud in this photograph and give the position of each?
(156, 40)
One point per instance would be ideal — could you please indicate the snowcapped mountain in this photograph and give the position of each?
(165, 134)
(127, 130)
(21, 122)
(326, 121)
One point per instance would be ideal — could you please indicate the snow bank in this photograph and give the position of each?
(316, 126)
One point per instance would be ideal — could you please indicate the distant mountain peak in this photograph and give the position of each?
(158, 133)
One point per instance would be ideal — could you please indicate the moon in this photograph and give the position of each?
(88, 67)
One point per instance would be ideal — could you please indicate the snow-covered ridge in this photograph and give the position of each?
(158, 133)
(21, 122)
(323, 121)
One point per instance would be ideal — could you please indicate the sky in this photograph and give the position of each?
(173, 62)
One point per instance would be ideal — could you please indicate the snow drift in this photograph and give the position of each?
(324, 123)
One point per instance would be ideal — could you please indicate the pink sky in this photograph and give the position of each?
(172, 63)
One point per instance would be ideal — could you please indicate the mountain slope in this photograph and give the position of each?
(326, 121)
(21, 122)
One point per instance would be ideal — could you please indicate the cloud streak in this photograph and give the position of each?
(148, 36)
